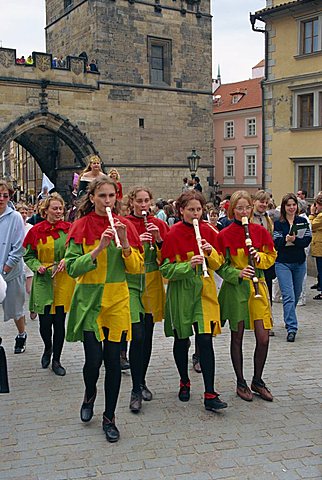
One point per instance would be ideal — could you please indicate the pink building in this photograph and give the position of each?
(237, 112)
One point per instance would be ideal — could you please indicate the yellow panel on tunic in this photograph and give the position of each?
(115, 312)
(63, 284)
(153, 297)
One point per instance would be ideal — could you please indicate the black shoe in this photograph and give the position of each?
(196, 363)
(184, 392)
(111, 432)
(315, 286)
(135, 402)
(291, 337)
(87, 408)
(58, 369)
(45, 359)
(20, 345)
(146, 393)
(213, 403)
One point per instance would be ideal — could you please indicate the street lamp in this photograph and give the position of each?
(193, 162)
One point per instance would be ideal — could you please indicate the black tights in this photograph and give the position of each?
(140, 350)
(136, 354)
(95, 353)
(207, 358)
(260, 353)
(49, 322)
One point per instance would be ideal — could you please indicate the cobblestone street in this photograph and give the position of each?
(42, 437)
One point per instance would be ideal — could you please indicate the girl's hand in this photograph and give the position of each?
(196, 260)
(154, 230)
(122, 233)
(254, 253)
(42, 270)
(106, 238)
(60, 266)
(146, 237)
(290, 238)
(247, 272)
(206, 247)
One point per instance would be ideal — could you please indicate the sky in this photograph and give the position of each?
(236, 48)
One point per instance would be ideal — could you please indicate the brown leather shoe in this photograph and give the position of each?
(135, 402)
(260, 388)
(243, 391)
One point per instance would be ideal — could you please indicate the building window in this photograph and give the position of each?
(308, 175)
(250, 127)
(68, 4)
(159, 58)
(308, 109)
(306, 179)
(250, 165)
(229, 129)
(310, 35)
(229, 165)
(310, 32)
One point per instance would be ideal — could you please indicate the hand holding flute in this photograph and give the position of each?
(111, 220)
(146, 223)
(253, 255)
(202, 247)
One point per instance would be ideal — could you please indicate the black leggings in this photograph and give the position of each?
(140, 350)
(207, 358)
(95, 353)
(56, 322)
(136, 354)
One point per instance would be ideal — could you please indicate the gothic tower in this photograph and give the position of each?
(154, 59)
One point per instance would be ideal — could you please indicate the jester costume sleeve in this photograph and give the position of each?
(45, 245)
(237, 296)
(191, 298)
(101, 296)
(153, 297)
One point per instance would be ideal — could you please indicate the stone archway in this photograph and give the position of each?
(44, 134)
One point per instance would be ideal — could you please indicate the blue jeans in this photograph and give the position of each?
(290, 278)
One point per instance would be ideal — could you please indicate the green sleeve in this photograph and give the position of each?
(30, 259)
(78, 263)
(229, 274)
(176, 271)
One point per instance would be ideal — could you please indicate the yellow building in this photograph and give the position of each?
(292, 90)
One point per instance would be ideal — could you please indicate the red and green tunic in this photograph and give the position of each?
(101, 296)
(237, 296)
(191, 298)
(45, 245)
(153, 297)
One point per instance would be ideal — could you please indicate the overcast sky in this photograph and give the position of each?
(236, 48)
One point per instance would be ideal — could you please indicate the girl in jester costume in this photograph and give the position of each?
(100, 310)
(237, 295)
(152, 231)
(191, 300)
(52, 288)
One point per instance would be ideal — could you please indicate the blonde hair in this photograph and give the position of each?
(132, 194)
(238, 195)
(91, 159)
(113, 170)
(44, 204)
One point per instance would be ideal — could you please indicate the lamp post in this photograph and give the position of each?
(193, 162)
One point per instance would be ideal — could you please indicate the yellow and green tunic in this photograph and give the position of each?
(191, 298)
(45, 246)
(237, 296)
(153, 297)
(101, 297)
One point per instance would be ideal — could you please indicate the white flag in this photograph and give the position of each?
(46, 183)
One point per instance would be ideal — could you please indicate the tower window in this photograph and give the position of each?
(141, 122)
(68, 4)
(159, 58)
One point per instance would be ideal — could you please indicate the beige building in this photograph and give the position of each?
(292, 95)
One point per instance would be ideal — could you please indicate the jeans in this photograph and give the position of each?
(319, 268)
(290, 278)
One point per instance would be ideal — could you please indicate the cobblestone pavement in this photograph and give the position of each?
(42, 437)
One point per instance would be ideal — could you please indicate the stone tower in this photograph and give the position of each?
(154, 61)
